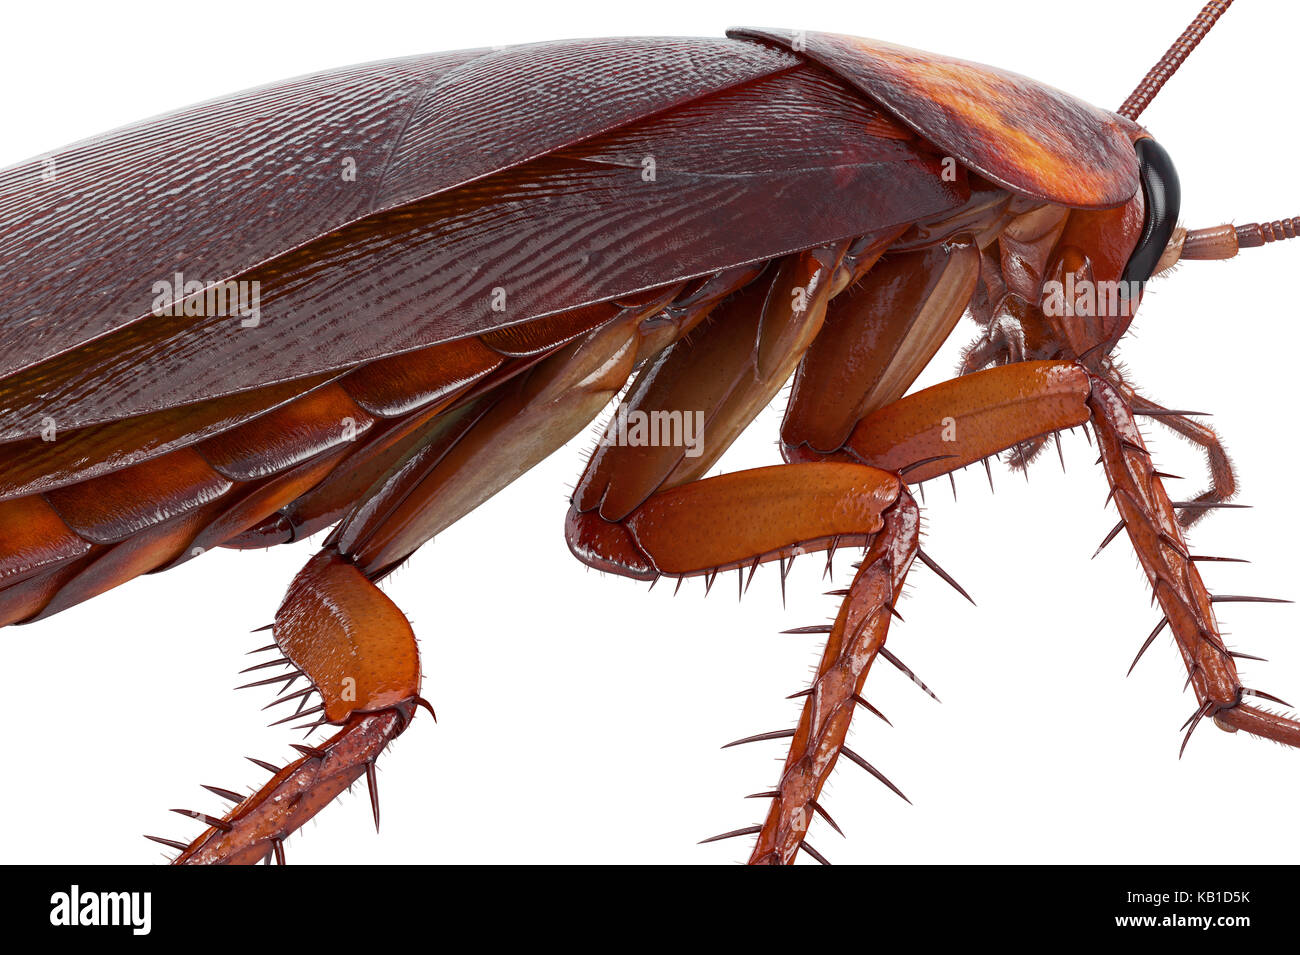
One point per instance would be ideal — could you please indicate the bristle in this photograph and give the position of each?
(170, 843)
(943, 574)
(774, 734)
(888, 655)
(1109, 537)
(372, 783)
(205, 819)
(855, 758)
(1143, 649)
(814, 853)
(224, 793)
(747, 831)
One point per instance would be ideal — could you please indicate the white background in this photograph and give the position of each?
(580, 716)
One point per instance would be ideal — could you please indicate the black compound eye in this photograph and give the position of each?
(1163, 195)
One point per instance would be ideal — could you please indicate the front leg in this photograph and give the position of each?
(1005, 406)
(1223, 480)
(1149, 519)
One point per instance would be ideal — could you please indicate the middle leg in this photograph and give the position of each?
(854, 495)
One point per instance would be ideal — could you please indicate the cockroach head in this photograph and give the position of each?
(1164, 243)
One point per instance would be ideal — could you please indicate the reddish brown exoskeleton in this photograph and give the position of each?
(815, 206)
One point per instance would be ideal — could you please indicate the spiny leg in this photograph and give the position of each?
(928, 434)
(933, 431)
(630, 494)
(636, 513)
(739, 520)
(856, 638)
(354, 646)
(358, 652)
(998, 407)
(462, 458)
(1148, 517)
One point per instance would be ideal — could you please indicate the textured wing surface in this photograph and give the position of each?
(788, 162)
(215, 189)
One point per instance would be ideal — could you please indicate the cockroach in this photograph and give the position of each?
(369, 299)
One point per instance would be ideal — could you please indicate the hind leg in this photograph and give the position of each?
(358, 652)
(353, 646)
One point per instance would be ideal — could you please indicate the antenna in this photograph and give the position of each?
(1146, 91)
(1225, 241)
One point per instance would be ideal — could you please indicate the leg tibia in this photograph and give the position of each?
(1223, 480)
(738, 520)
(1151, 523)
(856, 637)
(1152, 526)
(257, 827)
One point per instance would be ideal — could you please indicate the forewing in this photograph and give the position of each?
(748, 175)
(215, 189)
